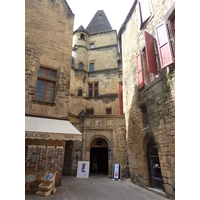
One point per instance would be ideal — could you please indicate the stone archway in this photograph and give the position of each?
(99, 147)
(154, 168)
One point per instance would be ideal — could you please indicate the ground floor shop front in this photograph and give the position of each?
(46, 141)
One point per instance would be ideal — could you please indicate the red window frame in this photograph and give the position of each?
(90, 111)
(44, 78)
(90, 89)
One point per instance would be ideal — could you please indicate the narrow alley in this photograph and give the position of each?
(96, 188)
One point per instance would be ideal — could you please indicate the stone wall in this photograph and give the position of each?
(48, 43)
(158, 97)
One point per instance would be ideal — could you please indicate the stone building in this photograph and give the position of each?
(48, 41)
(147, 46)
(96, 94)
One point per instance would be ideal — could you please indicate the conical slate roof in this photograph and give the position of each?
(81, 28)
(99, 23)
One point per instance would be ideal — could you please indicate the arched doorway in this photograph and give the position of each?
(99, 147)
(155, 176)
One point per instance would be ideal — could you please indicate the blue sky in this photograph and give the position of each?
(84, 10)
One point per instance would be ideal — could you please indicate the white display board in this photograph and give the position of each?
(83, 169)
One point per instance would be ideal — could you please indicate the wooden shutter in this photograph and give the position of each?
(139, 71)
(164, 46)
(120, 96)
(150, 53)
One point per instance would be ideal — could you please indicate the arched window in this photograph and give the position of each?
(79, 92)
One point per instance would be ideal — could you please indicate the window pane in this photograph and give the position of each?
(91, 46)
(79, 92)
(108, 111)
(49, 92)
(92, 67)
(90, 93)
(96, 93)
(90, 85)
(51, 73)
(42, 71)
(40, 90)
(81, 65)
(96, 85)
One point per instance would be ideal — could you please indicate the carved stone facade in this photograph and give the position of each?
(97, 45)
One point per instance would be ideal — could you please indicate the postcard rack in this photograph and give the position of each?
(48, 185)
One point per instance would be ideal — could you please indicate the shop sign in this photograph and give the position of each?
(52, 136)
(37, 135)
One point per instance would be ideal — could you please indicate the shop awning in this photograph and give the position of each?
(54, 129)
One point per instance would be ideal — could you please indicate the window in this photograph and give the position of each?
(92, 46)
(144, 11)
(165, 43)
(120, 65)
(75, 46)
(145, 117)
(90, 89)
(89, 111)
(108, 111)
(147, 62)
(120, 75)
(45, 85)
(80, 65)
(82, 36)
(91, 67)
(96, 89)
(79, 92)
(120, 96)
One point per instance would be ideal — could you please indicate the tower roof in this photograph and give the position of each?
(81, 28)
(99, 23)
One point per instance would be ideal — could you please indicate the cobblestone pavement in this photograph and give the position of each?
(96, 188)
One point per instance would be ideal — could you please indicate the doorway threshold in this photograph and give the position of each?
(157, 191)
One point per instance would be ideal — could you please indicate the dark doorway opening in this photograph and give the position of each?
(102, 160)
(155, 176)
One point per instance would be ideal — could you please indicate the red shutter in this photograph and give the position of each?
(150, 53)
(164, 46)
(139, 71)
(120, 95)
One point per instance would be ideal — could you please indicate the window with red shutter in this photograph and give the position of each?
(139, 71)
(164, 45)
(120, 96)
(150, 53)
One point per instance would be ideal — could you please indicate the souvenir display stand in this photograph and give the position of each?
(48, 184)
